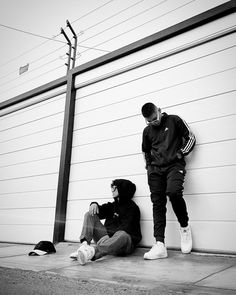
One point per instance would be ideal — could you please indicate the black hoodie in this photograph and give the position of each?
(122, 214)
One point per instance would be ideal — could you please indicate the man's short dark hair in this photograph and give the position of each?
(148, 109)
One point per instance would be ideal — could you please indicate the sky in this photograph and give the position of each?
(44, 18)
(101, 26)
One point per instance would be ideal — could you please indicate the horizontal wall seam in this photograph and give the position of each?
(139, 115)
(142, 174)
(28, 176)
(140, 133)
(33, 133)
(194, 220)
(106, 140)
(119, 157)
(139, 154)
(26, 208)
(27, 192)
(137, 197)
(171, 220)
(107, 158)
(26, 224)
(32, 147)
(28, 108)
(32, 161)
(33, 121)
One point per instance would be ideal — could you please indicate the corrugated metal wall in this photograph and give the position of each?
(197, 84)
(30, 146)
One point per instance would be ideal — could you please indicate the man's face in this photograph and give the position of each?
(155, 118)
(114, 191)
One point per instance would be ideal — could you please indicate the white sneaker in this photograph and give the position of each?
(74, 255)
(186, 239)
(157, 251)
(85, 254)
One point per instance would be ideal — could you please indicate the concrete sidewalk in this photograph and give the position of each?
(179, 273)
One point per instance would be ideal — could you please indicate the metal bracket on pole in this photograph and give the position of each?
(69, 53)
(75, 43)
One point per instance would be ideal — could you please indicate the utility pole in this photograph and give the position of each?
(74, 47)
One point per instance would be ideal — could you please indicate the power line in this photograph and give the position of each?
(107, 51)
(123, 33)
(42, 57)
(92, 11)
(113, 15)
(99, 33)
(87, 47)
(32, 34)
(26, 52)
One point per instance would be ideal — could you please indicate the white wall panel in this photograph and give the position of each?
(37, 153)
(33, 113)
(53, 121)
(201, 207)
(27, 200)
(28, 216)
(159, 49)
(29, 165)
(192, 66)
(32, 140)
(73, 230)
(41, 167)
(211, 180)
(33, 183)
(17, 233)
(198, 85)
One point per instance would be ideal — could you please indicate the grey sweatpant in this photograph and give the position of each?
(119, 244)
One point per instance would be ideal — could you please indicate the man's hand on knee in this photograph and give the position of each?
(93, 209)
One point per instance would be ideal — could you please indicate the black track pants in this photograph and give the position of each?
(163, 182)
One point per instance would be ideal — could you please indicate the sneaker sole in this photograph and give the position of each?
(73, 256)
(186, 252)
(81, 258)
(159, 257)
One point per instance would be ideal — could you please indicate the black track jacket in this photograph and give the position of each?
(161, 143)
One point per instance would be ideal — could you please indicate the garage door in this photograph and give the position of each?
(30, 143)
(191, 75)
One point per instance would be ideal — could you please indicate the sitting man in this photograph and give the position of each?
(121, 231)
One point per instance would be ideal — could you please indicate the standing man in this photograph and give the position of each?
(167, 139)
